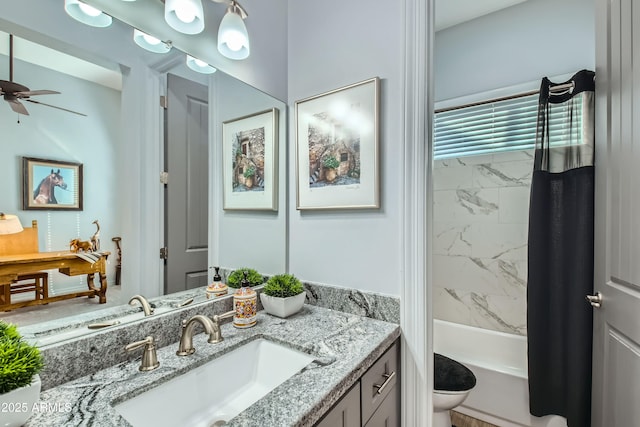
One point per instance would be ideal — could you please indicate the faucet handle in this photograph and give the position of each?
(217, 337)
(149, 356)
(218, 317)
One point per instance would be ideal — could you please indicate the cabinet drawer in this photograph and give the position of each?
(346, 412)
(378, 381)
(388, 413)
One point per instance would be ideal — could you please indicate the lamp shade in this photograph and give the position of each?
(150, 43)
(199, 66)
(86, 14)
(10, 224)
(185, 16)
(233, 39)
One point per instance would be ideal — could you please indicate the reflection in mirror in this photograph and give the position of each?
(265, 68)
(121, 195)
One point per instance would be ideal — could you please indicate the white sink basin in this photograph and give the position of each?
(218, 390)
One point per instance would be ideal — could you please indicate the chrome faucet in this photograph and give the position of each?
(149, 357)
(188, 329)
(212, 327)
(148, 310)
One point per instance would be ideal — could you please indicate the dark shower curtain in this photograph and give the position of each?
(560, 270)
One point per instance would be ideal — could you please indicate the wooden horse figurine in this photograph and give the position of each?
(95, 239)
(44, 192)
(77, 245)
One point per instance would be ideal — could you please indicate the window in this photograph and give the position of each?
(500, 125)
(497, 125)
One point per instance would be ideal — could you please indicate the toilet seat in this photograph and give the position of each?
(451, 393)
(451, 375)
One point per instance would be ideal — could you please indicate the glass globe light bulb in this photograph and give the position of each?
(150, 39)
(186, 12)
(89, 10)
(235, 41)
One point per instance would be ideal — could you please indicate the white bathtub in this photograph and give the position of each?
(499, 362)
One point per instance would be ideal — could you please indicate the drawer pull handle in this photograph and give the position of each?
(386, 382)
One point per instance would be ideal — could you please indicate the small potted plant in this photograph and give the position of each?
(235, 278)
(249, 174)
(331, 165)
(20, 384)
(283, 295)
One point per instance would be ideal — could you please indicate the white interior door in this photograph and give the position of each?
(187, 191)
(616, 369)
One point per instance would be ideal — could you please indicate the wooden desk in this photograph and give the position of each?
(11, 266)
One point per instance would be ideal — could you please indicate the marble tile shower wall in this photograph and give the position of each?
(481, 208)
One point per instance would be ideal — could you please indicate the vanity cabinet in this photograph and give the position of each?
(345, 413)
(374, 400)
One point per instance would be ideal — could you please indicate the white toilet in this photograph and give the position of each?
(452, 383)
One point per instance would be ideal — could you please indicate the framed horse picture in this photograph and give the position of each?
(51, 185)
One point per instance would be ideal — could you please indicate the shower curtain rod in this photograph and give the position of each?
(564, 86)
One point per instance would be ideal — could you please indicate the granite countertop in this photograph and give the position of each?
(344, 345)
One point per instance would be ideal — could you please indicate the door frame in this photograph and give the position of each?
(602, 211)
(416, 313)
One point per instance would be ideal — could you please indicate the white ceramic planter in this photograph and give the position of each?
(16, 405)
(282, 307)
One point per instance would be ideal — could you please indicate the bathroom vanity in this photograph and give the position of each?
(348, 352)
(374, 400)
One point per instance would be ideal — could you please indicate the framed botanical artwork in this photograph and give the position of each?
(337, 148)
(51, 185)
(250, 161)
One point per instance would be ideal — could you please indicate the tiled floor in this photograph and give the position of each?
(461, 420)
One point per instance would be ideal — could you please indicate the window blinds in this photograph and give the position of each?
(508, 124)
(493, 126)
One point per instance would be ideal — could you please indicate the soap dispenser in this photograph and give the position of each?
(245, 303)
(216, 288)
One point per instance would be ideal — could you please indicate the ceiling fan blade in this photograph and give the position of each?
(53, 106)
(37, 92)
(17, 107)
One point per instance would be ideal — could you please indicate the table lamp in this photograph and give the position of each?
(9, 224)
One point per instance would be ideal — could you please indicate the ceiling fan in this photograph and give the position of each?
(13, 92)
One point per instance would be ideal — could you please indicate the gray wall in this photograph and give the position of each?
(522, 43)
(332, 44)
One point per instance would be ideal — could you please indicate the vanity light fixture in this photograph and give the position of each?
(149, 42)
(185, 16)
(86, 14)
(233, 39)
(9, 224)
(199, 66)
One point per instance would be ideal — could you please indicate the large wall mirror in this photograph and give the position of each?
(121, 145)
